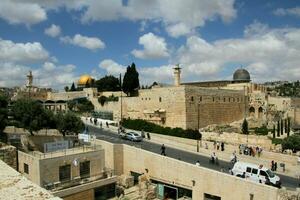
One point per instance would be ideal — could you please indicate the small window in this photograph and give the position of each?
(224, 99)
(159, 99)
(65, 173)
(238, 99)
(254, 171)
(26, 168)
(200, 98)
(229, 99)
(85, 169)
(142, 98)
(192, 98)
(248, 170)
(263, 173)
(213, 98)
(233, 99)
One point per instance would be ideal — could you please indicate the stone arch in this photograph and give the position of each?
(260, 112)
(251, 111)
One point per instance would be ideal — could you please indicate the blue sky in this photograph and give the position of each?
(61, 39)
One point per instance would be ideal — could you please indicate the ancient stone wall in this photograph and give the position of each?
(8, 154)
(213, 106)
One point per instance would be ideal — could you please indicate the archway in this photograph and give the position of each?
(260, 112)
(252, 112)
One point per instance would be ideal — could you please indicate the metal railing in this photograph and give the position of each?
(65, 152)
(55, 186)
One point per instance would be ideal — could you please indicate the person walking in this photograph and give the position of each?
(272, 165)
(275, 166)
(148, 136)
(222, 146)
(218, 146)
(143, 133)
(215, 145)
(163, 150)
(198, 163)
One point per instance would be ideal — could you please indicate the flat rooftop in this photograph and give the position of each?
(65, 152)
(15, 186)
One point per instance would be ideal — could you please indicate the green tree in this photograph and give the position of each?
(288, 126)
(30, 114)
(73, 88)
(102, 100)
(66, 88)
(84, 105)
(292, 142)
(3, 114)
(278, 128)
(273, 131)
(131, 80)
(69, 123)
(281, 127)
(245, 127)
(108, 83)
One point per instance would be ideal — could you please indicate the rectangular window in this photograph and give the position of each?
(211, 197)
(262, 173)
(159, 99)
(85, 169)
(26, 168)
(248, 170)
(192, 98)
(254, 171)
(65, 173)
(200, 98)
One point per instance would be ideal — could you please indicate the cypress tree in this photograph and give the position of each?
(281, 127)
(278, 129)
(288, 126)
(273, 131)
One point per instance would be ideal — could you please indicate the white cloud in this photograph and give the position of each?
(22, 52)
(53, 30)
(288, 11)
(269, 54)
(154, 47)
(178, 30)
(49, 75)
(91, 43)
(112, 67)
(17, 12)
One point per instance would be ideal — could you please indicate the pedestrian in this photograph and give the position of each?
(91, 120)
(163, 150)
(215, 144)
(143, 133)
(222, 146)
(272, 165)
(95, 121)
(218, 146)
(259, 151)
(107, 125)
(198, 163)
(275, 166)
(100, 124)
(148, 136)
(206, 146)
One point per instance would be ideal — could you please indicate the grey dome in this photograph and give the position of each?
(241, 75)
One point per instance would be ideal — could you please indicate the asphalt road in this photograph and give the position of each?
(110, 136)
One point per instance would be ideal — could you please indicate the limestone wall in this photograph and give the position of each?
(281, 103)
(55, 96)
(8, 154)
(182, 174)
(213, 106)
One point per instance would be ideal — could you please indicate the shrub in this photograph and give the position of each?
(139, 124)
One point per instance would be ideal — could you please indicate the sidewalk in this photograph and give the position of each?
(291, 167)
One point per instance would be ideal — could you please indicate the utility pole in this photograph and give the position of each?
(245, 109)
(121, 109)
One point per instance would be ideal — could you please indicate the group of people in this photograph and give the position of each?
(95, 122)
(214, 158)
(217, 146)
(251, 151)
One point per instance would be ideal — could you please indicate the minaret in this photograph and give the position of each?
(177, 71)
(30, 79)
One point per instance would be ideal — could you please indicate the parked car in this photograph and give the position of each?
(257, 173)
(133, 137)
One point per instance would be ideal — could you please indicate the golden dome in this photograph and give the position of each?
(85, 79)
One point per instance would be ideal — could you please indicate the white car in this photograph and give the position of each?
(133, 137)
(257, 173)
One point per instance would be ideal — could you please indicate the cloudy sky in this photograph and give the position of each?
(61, 39)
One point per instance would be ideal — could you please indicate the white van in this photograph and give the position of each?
(257, 173)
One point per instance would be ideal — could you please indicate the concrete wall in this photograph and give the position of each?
(8, 154)
(182, 174)
(46, 170)
(33, 165)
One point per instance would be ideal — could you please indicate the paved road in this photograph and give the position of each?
(186, 156)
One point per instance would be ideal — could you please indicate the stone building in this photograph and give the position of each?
(72, 173)
(185, 105)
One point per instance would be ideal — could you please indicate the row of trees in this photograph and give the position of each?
(31, 115)
(110, 83)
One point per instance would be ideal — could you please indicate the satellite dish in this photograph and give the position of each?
(75, 162)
